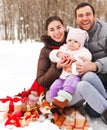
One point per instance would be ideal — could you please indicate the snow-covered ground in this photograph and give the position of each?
(18, 66)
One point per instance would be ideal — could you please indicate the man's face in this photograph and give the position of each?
(85, 18)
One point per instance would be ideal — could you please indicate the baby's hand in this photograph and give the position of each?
(62, 55)
(65, 56)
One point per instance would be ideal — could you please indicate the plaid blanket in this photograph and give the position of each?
(75, 121)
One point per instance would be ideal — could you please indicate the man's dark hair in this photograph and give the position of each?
(83, 4)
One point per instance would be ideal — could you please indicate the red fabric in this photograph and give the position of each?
(54, 47)
(35, 87)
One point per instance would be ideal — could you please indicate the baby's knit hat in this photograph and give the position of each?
(78, 35)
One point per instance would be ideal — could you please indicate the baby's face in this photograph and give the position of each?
(73, 44)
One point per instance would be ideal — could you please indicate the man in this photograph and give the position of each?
(97, 44)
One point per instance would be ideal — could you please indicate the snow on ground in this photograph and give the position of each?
(18, 66)
(18, 63)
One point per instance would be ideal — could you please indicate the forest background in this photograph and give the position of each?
(25, 19)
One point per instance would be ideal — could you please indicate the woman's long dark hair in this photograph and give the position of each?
(52, 18)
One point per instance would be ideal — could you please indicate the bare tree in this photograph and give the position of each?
(25, 19)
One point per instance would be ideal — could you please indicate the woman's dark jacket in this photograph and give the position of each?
(47, 72)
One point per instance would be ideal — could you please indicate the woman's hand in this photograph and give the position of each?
(64, 63)
(85, 66)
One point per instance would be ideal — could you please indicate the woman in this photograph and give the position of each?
(47, 72)
(55, 37)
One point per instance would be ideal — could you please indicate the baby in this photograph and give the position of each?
(62, 89)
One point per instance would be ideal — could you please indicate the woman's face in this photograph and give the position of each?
(56, 31)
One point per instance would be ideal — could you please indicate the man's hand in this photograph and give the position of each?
(85, 66)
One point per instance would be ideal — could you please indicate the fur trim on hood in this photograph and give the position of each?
(48, 41)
